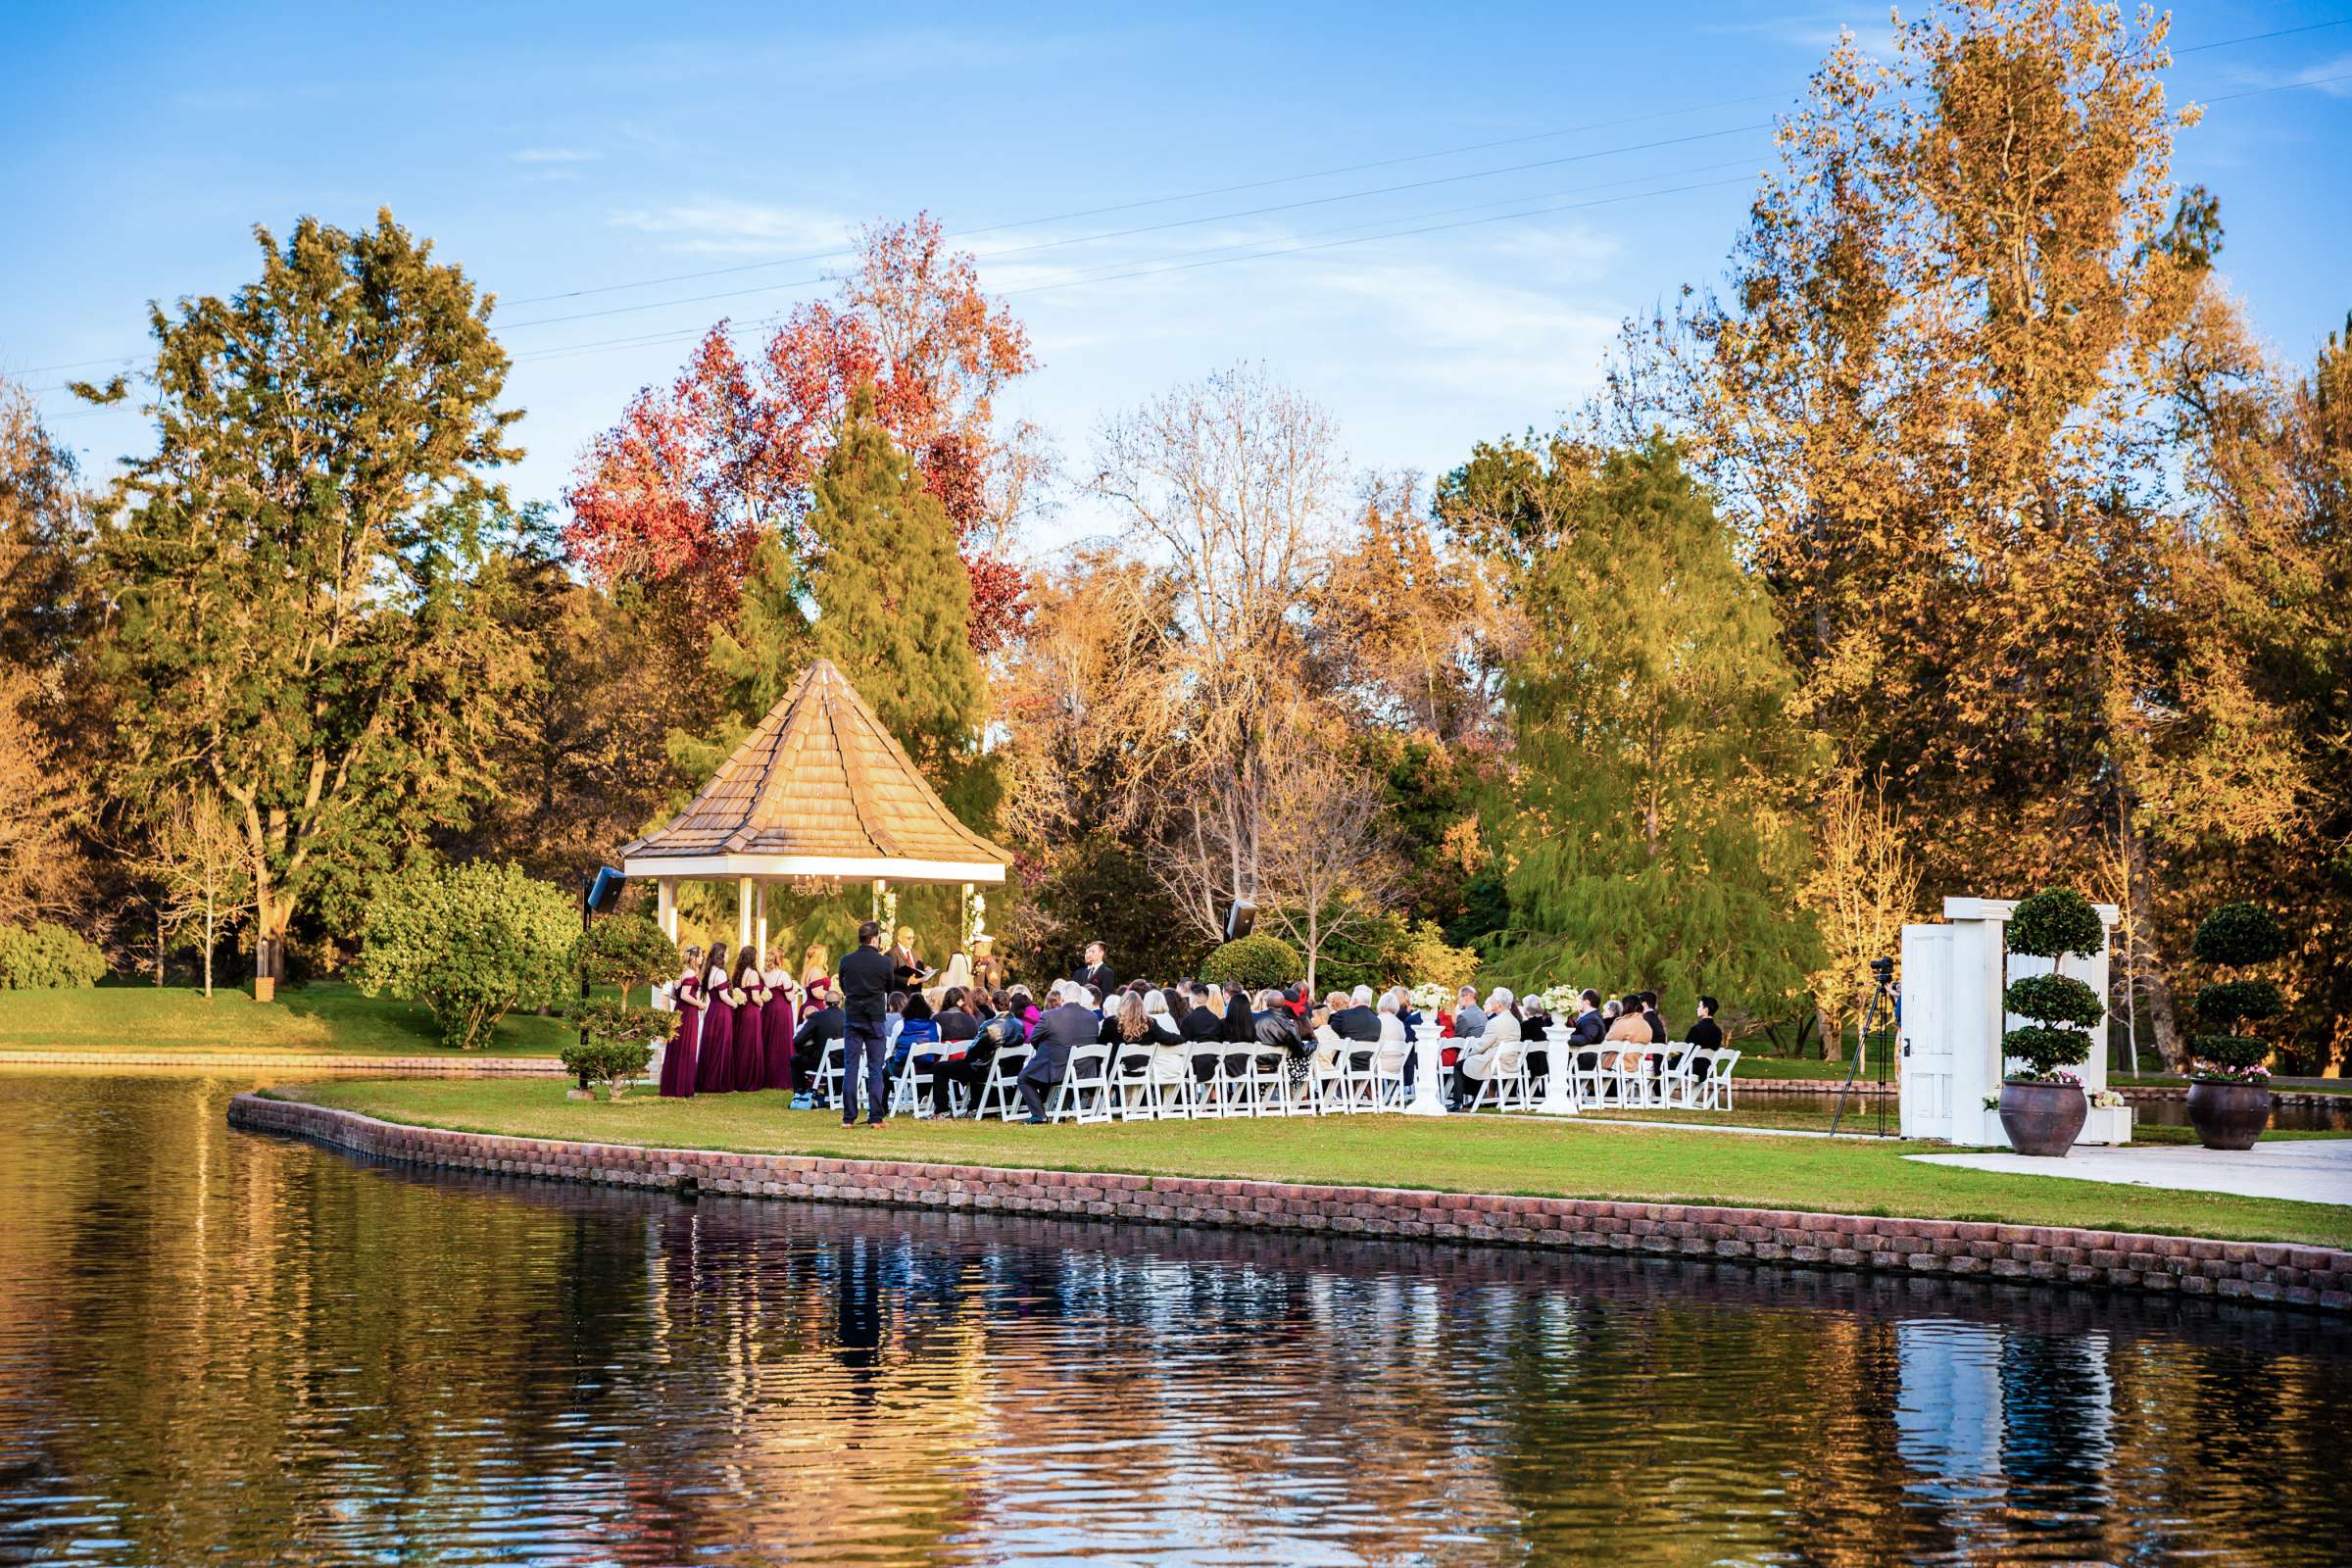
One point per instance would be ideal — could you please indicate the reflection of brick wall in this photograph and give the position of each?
(2300, 1276)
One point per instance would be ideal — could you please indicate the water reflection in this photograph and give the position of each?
(216, 1345)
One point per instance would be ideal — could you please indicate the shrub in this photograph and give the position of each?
(472, 943)
(629, 950)
(1256, 961)
(610, 1062)
(2236, 936)
(2051, 924)
(47, 957)
(2055, 922)
(2239, 934)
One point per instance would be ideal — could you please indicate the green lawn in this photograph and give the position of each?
(321, 1016)
(1863, 1117)
(1484, 1155)
(1748, 1066)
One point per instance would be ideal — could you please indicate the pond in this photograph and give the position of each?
(224, 1346)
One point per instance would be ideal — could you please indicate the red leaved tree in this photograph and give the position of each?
(681, 489)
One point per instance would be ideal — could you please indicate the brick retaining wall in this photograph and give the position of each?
(493, 1066)
(2298, 1276)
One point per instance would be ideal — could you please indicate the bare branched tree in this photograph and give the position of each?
(1328, 868)
(1233, 482)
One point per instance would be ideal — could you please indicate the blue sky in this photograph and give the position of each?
(559, 149)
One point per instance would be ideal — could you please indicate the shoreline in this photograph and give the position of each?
(2277, 1273)
(307, 1060)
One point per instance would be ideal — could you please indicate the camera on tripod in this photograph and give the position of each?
(1881, 970)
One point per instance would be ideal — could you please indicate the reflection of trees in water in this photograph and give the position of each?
(231, 1340)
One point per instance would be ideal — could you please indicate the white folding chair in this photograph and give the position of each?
(1676, 1084)
(1084, 1094)
(910, 1091)
(1717, 1089)
(1633, 1077)
(997, 1092)
(1586, 1075)
(1210, 1096)
(1505, 1079)
(1131, 1092)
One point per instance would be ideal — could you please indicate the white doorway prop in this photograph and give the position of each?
(1949, 1053)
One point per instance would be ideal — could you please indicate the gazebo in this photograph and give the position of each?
(818, 796)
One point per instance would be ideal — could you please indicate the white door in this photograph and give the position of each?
(1925, 1041)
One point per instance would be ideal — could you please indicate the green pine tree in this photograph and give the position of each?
(892, 604)
(1655, 844)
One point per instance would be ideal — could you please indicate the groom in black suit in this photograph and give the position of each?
(1094, 973)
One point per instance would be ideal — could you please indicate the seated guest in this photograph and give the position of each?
(1469, 1022)
(1068, 1025)
(1353, 1019)
(1327, 1040)
(1588, 1032)
(1393, 1047)
(1171, 1054)
(1705, 1033)
(958, 1030)
(1628, 1027)
(1239, 1029)
(1536, 1030)
(1657, 1024)
(1494, 1052)
(821, 1028)
(1274, 1030)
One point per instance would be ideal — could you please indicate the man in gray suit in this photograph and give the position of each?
(1058, 1028)
(1469, 1022)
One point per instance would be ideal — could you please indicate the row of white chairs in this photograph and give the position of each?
(1093, 1089)
(1613, 1075)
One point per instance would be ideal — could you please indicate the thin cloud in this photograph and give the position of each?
(555, 154)
(724, 226)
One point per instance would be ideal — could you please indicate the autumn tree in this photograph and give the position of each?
(1230, 482)
(196, 853)
(1328, 867)
(696, 474)
(1930, 399)
(43, 540)
(303, 619)
(1654, 839)
(1863, 886)
(1404, 627)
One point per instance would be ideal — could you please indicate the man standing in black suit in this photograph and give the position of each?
(1072, 1023)
(1094, 973)
(864, 1001)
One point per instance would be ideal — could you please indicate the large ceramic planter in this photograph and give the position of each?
(2228, 1116)
(2042, 1118)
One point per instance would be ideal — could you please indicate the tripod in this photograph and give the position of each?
(1875, 1017)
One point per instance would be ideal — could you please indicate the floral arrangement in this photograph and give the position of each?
(763, 995)
(735, 996)
(1430, 995)
(1561, 1002)
(2107, 1099)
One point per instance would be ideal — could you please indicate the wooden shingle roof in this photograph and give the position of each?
(819, 788)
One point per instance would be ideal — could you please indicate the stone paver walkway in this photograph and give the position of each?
(2314, 1170)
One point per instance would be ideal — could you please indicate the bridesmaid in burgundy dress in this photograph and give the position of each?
(751, 1062)
(775, 1029)
(714, 1071)
(677, 1062)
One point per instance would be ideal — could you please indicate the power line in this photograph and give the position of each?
(676, 334)
(133, 359)
(1281, 207)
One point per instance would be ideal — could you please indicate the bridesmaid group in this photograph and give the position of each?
(735, 1026)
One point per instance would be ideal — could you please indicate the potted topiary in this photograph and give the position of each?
(2042, 1107)
(2230, 1089)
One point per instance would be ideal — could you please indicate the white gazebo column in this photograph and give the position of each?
(743, 912)
(760, 924)
(964, 921)
(665, 904)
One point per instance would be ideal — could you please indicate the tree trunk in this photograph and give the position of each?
(2161, 1017)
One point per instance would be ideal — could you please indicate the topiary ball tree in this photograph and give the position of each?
(629, 950)
(1255, 962)
(2051, 924)
(2236, 936)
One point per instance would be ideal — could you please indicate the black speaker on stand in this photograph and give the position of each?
(1240, 920)
(602, 893)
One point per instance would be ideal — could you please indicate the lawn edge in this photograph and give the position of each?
(2288, 1274)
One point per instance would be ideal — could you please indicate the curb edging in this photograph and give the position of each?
(2273, 1272)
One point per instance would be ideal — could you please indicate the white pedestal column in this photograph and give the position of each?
(1557, 1101)
(1429, 1097)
